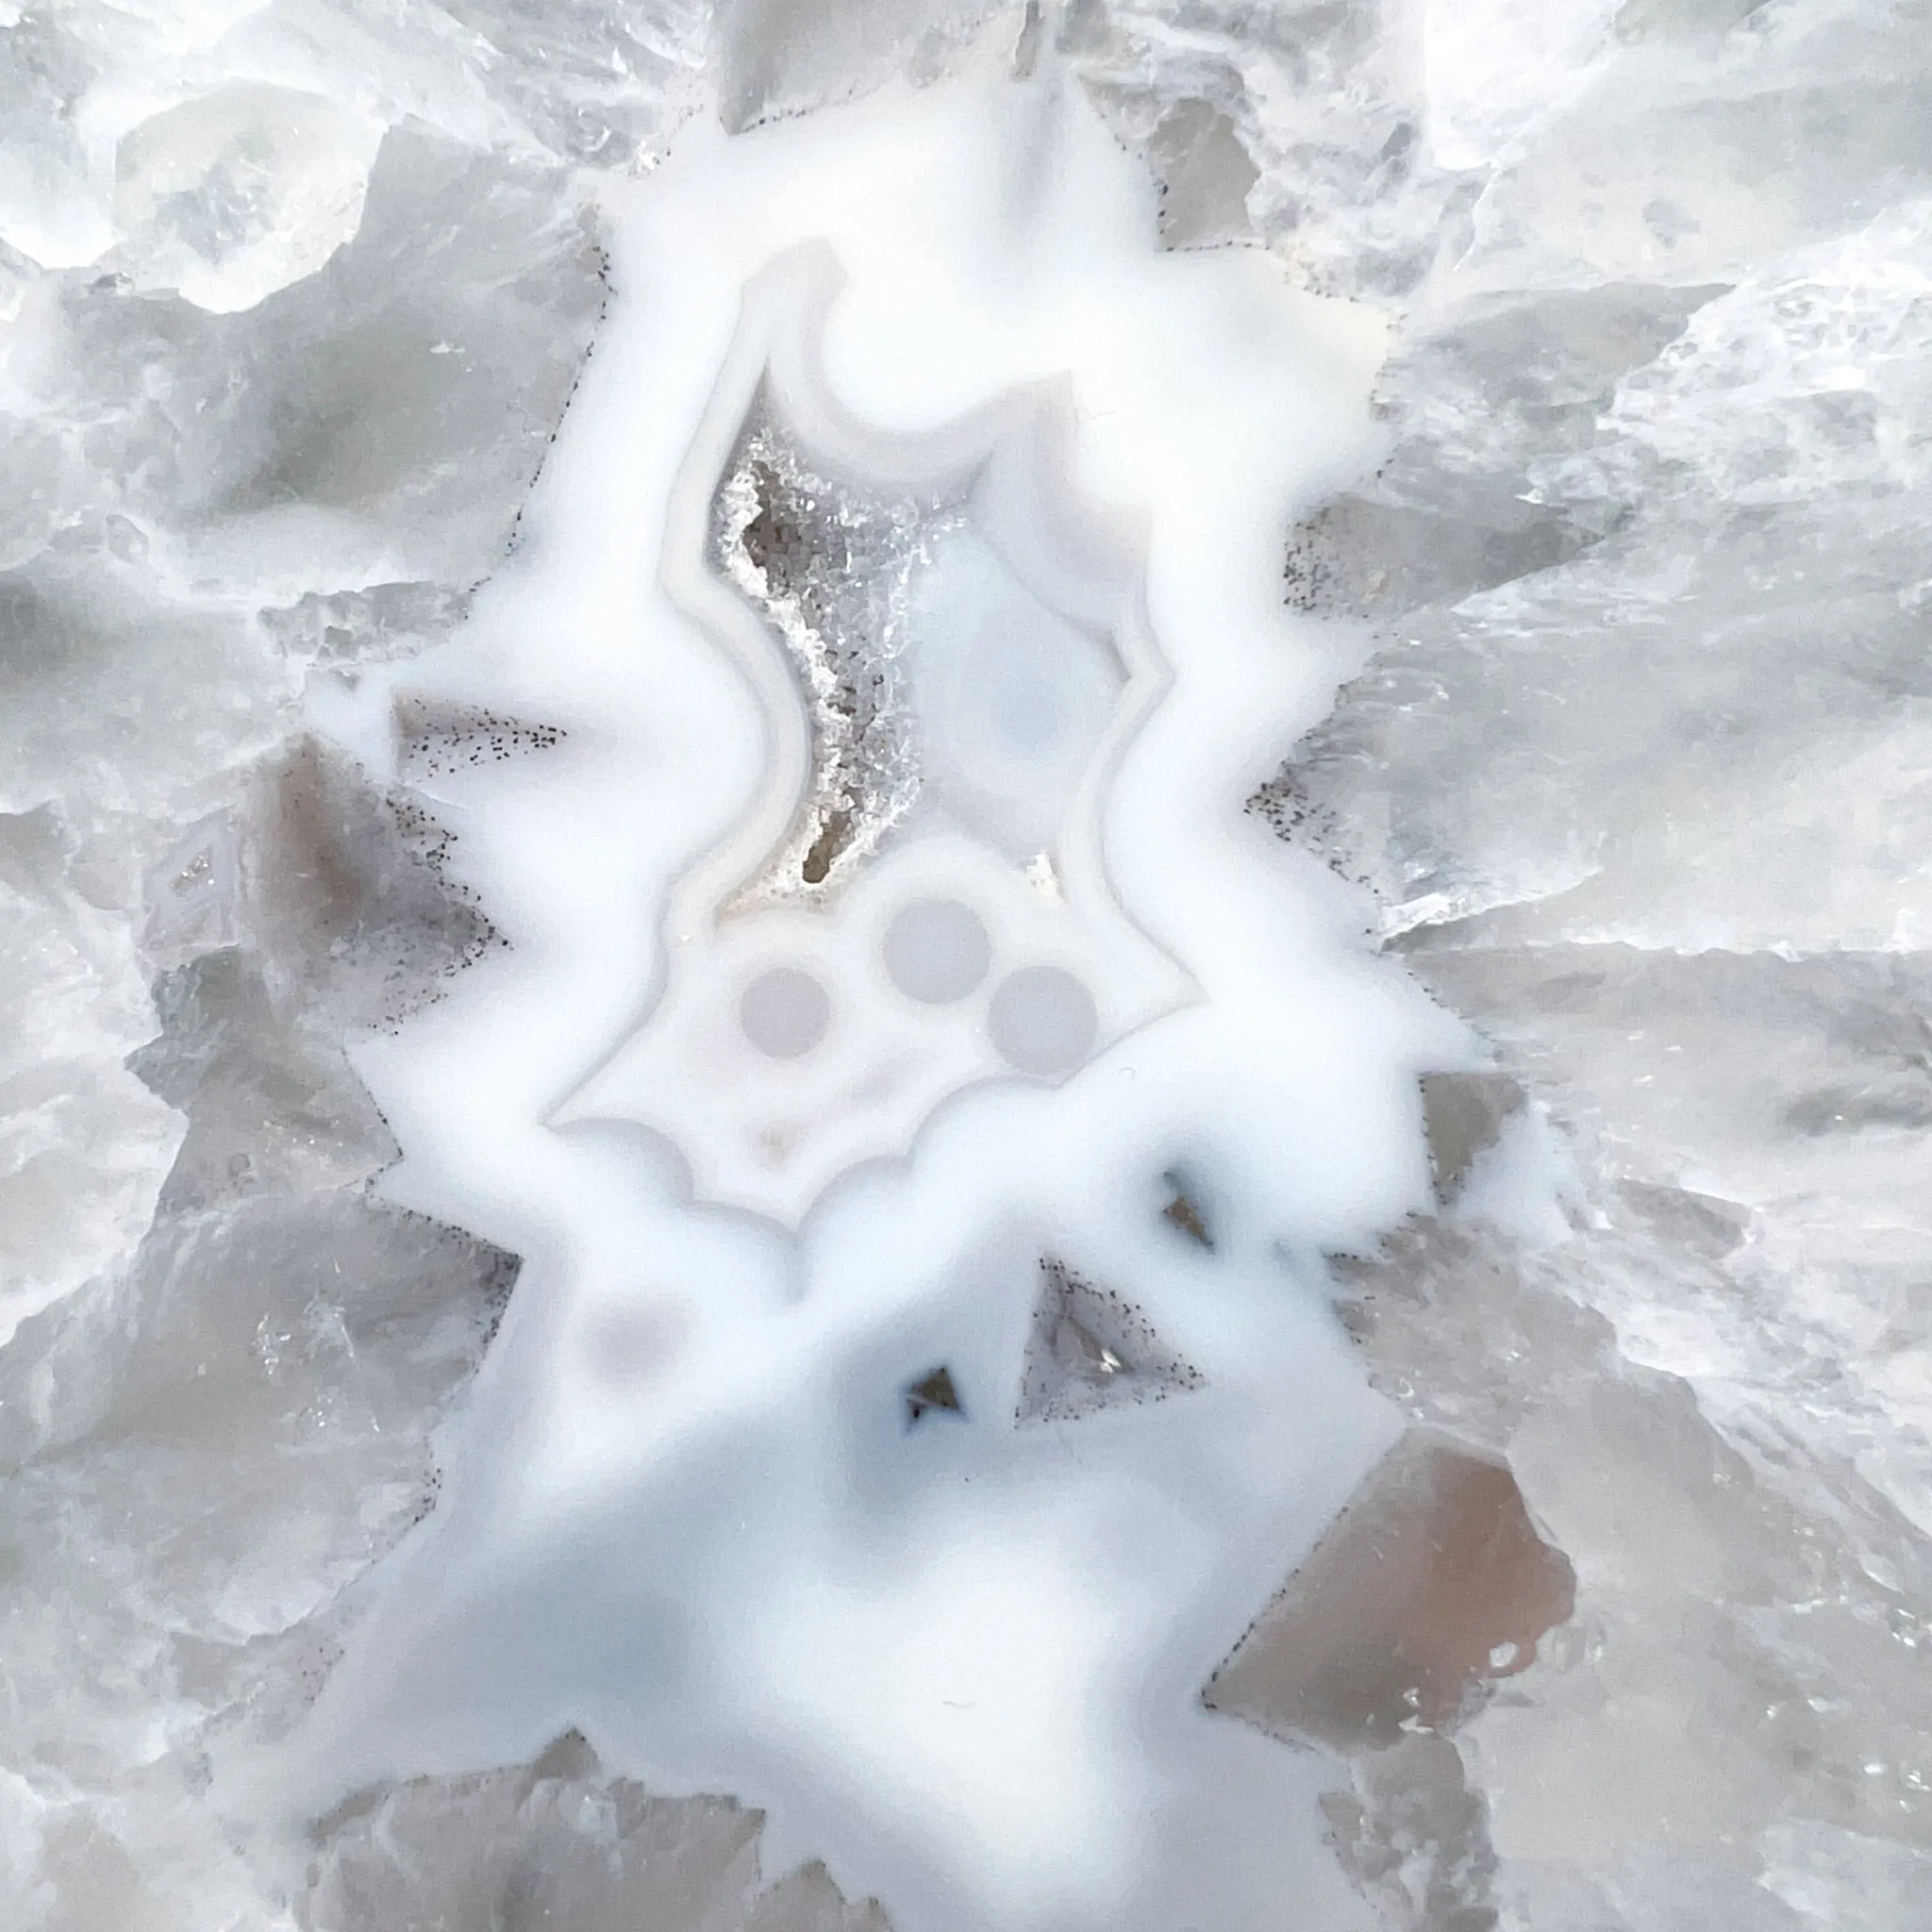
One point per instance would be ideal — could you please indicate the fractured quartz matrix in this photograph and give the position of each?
(961, 967)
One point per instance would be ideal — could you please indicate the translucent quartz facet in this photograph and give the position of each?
(920, 1094)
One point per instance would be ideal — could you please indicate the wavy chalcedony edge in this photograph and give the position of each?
(1085, 564)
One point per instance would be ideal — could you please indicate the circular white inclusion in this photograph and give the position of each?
(1042, 1021)
(937, 950)
(785, 1013)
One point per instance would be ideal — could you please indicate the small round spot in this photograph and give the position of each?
(1028, 717)
(785, 1013)
(937, 950)
(627, 1346)
(1043, 1021)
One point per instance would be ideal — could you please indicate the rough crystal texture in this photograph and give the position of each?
(219, 1404)
(1634, 772)
(563, 1845)
(825, 566)
(1633, 768)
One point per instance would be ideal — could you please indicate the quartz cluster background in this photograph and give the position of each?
(1632, 777)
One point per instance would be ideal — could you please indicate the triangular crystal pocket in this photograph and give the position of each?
(1091, 1349)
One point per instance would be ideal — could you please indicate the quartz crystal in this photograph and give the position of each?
(962, 966)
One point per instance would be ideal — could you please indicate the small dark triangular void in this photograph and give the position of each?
(933, 1392)
(1089, 1350)
(1184, 1211)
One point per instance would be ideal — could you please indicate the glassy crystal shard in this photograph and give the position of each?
(1433, 1584)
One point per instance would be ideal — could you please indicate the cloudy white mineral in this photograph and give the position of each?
(964, 966)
